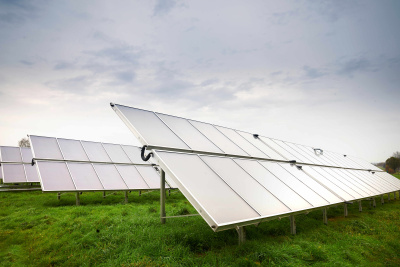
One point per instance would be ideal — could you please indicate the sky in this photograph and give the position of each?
(318, 73)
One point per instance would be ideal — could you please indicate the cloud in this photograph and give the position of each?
(209, 82)
(163, 7)
(17, 12)
(121, 54)
(352, 66)
(77, 85)
(20, 4)
(333, 10)
(313, 73)
(26, 62)
(12, 18)
(63, 65)
(125, 76)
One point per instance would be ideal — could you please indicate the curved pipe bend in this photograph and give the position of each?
(145, 158)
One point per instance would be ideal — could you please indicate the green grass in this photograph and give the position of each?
(38, 230)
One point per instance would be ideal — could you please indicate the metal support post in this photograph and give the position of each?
(388, 196)
(162, 197)
(169, 192)
(126, 196)
(374, 202)
(104, 194)
(325, 215)
(394, 195)
(140, 193)
(59, 195)
(382, 201)
(360, 206)
(292, 224)
(345, 210)
(78, 201)
(241, 233)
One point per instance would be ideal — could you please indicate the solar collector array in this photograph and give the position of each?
(235, 178)
(74, 165)
(15, 165)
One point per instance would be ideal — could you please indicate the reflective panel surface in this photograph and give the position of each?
(154, 130)
(11, 154)
(132, 177)
(14, 173)
(31, 174)
(109, 177)
(189, 134)
(54, 176)
(150, 175)
(26, 154)
(96, 151)
(72, 149)
(116, 153)
(249, 189)
(45, 147)
(84, 176)
(210, 193)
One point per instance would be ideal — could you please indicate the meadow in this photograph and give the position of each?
(36, 229)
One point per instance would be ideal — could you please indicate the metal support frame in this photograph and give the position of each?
(325, 215)
(382, 201)
(292, 224)
(241, 234)
(346, 213)
(59, 195)
(104, 194)
(126, 197)
(388, 196)
(200, 152)
(180, 216)
(78, 200)
(360, 206)
(374, 202)
(162, 197)
(394, 195)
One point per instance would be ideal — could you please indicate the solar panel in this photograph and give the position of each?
(234, 178)
(15, 165)
(74, 165)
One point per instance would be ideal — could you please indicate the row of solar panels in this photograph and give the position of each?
(152, 128)
(231, 177)
(16, 165)
(234, 178)
(72, 165)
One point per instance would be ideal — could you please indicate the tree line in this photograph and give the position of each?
(392, 164)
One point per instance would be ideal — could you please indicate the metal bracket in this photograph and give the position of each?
(320, 151)
(255, 136)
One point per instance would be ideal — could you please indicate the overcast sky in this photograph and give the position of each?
(319, 73)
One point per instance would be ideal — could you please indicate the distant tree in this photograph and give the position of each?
(24, 142)
(389, 170)
(396, 155)
(392, 164)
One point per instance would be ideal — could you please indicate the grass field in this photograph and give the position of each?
(39, 230)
